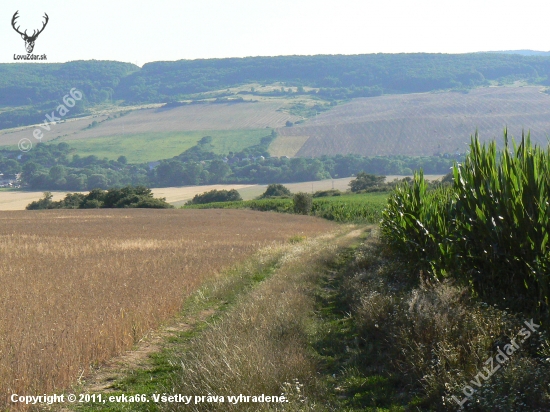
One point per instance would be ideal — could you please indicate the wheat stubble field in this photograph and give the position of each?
(422, 124)
(79, 287)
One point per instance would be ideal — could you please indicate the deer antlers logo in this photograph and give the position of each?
(29, 40)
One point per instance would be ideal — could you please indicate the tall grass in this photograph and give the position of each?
(490, 229)
(433, 339)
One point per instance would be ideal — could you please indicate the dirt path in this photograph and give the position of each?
(103, 378)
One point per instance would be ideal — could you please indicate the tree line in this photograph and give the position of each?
(56, 167)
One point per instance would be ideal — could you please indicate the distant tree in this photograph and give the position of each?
(205, 140)
(44, 203)
(302, 203)
(218, 171)
(97, 181)
(76, 182)
(30, 169)
(71, 201)
(10, 167)
(58, 172)
(364, 181)
(122, 160)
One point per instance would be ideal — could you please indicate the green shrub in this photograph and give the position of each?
(327, 193)
(43, 203)
(302, 203)
(91, 204)
(129, 196)
(214, 196)
(364, 181)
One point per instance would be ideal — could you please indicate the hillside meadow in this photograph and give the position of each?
(153, 146)
(79, 287)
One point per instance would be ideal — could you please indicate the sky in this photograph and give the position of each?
(141, 31)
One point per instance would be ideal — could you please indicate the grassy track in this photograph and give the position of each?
(255, 340)
(146, 147)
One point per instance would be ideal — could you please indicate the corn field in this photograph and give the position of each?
(490, 229)
(364, 208)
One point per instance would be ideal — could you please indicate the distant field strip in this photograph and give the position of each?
(12, 136)
(424, 124)
(18, 200)
(259, 115)
(79, 287)
(147, 147)
(287, 145)
(158, 133)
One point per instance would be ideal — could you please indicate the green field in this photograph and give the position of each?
(148, 147)
(363, 208)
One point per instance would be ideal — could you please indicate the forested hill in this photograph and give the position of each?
(34, 84)
(338, 75)
(367, 75)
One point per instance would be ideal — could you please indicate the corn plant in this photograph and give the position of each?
(418, 222)
(503, 218)
(490, 229)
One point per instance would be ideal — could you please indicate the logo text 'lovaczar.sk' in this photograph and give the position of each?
(29, 39)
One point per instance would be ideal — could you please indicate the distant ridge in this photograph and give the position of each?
(523, 52)
(29, 90)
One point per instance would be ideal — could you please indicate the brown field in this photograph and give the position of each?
(191, 118)
(424, 124)
(158, 120)
(79, 287)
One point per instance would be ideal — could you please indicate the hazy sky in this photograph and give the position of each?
(143, 31)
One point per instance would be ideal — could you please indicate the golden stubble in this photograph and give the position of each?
(79, 287)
